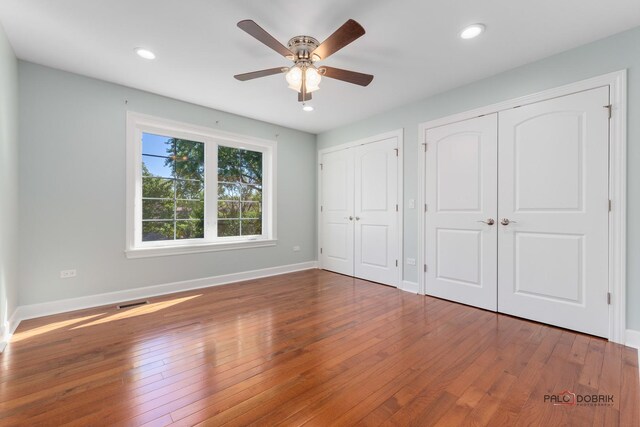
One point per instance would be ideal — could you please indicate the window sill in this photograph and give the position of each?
(197, 248)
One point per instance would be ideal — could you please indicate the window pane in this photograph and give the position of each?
(228, 164)
(173, 170)
(251, 166)
(251, 210)
(157, 166)
(157, 145)
(186, 209)
(193, 190)
(158, 188)
(157, 209)
(189, 157)
(157, 230)
(190, 229)
(239, 180)
(228, 192)
(228, 227)
(252, 193)
(228, 209)
(251, 227)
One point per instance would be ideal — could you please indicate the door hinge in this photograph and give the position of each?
(425, 146)
(320, 208)
(320, 250)
(609, 108)
(396, 207)
(609, 298)
(425, 268)
(396, 263)
(609, 205)
(321, 166)
(396, 152)
(426, 207)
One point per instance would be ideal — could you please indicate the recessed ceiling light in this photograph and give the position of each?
(144, 53)
(472, 31)
(306, 107)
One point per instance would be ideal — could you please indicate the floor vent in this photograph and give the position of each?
(131, 304)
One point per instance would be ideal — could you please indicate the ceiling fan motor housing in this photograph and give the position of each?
(301, 47)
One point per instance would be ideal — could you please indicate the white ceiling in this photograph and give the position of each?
(411, 46)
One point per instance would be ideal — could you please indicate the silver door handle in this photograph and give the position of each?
(350, 218)
(357, 218)
(507, 221)
(489, 221)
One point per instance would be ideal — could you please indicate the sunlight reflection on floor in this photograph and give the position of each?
(138, 311)
(19, 336)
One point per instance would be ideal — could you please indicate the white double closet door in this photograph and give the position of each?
(359, 217)
(517, 211)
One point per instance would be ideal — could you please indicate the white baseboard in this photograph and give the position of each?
(632, 338)
(4, 336)
(31, 311)
(409, 287)
(8, 329)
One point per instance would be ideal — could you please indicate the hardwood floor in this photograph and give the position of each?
(312, 348)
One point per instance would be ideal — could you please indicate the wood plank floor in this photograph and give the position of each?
(309, 348)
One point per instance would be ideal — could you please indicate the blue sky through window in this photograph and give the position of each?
(156, 145)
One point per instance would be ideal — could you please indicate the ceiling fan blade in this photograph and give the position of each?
(344, 35)
(261, 73)
(261, 35)
(347, 76)
(304, 98)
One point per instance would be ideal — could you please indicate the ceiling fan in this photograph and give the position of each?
(303, 76)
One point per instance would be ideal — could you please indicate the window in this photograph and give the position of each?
(193, 189)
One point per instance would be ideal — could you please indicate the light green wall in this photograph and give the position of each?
(612, 54)
(72, 186)
(8, 182)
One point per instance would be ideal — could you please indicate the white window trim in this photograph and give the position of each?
(135, 248)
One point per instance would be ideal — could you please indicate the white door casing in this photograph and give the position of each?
(337, 212)
(554, 190)
(376, 211)
(461, 180)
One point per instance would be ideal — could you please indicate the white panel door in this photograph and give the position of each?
(553, 190)
(376, 217)
(337, 211)
(460, 222)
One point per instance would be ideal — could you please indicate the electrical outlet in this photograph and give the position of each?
(65, 274)
(411, 261)
(296, 249)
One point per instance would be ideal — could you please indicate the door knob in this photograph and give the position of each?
(357, 218)
(350, 218)
(506, 221)
(489, 221)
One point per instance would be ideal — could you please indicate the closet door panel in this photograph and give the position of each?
(460, 238)
(553, 194)
(337, 208)
(376, 218)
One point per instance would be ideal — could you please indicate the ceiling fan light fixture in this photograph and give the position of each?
(312, 79)
(307, 108)
(472, 31)
(311, 74)
(294, 78)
